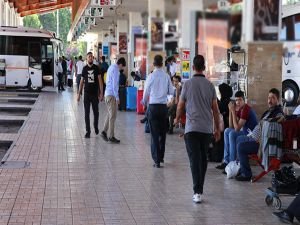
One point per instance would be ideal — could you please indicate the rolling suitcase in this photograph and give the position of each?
(131, 98)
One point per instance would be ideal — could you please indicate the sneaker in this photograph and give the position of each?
(197, 198)
(104, 136)
(114, 140)
(242, 178)
(221, 166)
(87, 135)
(143, 120)
(96, 131)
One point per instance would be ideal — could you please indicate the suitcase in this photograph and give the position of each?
(139, 106)
(131, 98)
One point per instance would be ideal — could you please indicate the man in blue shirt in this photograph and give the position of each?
(158, 87)
(112, 100)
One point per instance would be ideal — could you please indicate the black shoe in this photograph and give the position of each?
(221, 166)
(170, 132)
(162, 161)
(114, 140)
(224, 172)
(87, 135)
(156, 165)
(104, 136)
(242, 178)
(96, 131)
(284, 217)
(143, 120)
(63, 89)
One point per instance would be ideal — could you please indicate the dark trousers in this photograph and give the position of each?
(88, 101)
(172, 116)
(60, 81)
(294, 208)
(122, 96)
(197, 145)
(157, 118)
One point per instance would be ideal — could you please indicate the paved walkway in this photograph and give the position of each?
(72, 180)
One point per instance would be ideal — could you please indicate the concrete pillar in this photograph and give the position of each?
(135, 23)
(1, 12)
(187, 22)
(135, 20)
(247, 21)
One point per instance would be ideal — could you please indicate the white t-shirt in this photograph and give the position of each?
(79, 66)
(297, 110)
(173, 68)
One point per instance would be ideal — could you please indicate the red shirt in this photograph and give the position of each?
(243, 112)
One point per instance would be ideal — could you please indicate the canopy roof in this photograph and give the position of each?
(29, 7)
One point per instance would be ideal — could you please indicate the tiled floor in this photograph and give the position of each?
(73, 180)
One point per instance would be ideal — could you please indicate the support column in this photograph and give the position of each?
(135, 26)
(187, 23)
(247, 21)
(122, 42)
(1, 12)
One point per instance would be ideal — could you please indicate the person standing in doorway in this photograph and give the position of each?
(93, 92)
(65, 69)
(112, 100)
(157, 88)
(60, 75)
(78, 72)
(199, 100)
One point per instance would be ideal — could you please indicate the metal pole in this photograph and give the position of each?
(57, 23)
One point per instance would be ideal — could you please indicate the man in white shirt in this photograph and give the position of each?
(79, 68)
(60, 75)
(112, 100)
(173, 67)
(158, 87)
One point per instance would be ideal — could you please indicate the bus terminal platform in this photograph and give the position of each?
(69, 180)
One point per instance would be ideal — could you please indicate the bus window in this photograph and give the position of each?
(16, 45)
(2, 45)
(35, 59)
(50, 51)
(297, 27)
(290, 28)
(283, 31)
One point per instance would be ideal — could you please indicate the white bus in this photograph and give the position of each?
(290, 36)
(28, 57)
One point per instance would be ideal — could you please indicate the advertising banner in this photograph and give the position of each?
(107, 2)
(97, 12)
(123, 43)
(266, 20)
(157, 34)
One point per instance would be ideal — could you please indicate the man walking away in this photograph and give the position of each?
(112, 100)
(199, 99)
(93, 87)
(158, 87)
(78, 72)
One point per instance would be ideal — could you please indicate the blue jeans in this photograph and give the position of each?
(230, 136)
(246, 146)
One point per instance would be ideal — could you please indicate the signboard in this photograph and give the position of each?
(123, 43)
(107, 2)
(97, 12)
(95, 2)
(157, 34)
(87, 12)
(185, 58)
(89, 21)
(266, 20)
(105, 50)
